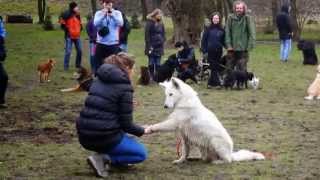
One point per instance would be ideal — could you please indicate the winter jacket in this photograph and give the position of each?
(114, 22)
(91, 31)
(186, 57)
(284, 24)
(125, 30)
(154, 38)
(240, 33)
(212, 38)
(107, 113)
(71, 24)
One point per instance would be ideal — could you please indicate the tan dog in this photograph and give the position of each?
(314, 88)
(44, 70)
(144, 78)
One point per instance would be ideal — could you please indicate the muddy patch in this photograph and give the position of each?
(36, 136)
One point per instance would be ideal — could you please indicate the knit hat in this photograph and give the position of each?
(72, 5)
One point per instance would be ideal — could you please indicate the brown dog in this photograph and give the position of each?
(84, 78)
(44, 70)
(144, 78)
(314, 88)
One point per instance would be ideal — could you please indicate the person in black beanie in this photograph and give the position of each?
(3, 73)
(212, 43)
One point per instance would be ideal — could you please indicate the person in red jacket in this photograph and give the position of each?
(71, 23)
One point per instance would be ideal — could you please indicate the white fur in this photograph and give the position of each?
(198, 126)
(314, 88)
(254, 83)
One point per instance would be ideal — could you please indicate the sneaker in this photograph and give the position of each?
(97, 164)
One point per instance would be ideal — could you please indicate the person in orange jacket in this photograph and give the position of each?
(70, 22)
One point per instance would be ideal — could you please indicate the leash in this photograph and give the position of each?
(178, 147)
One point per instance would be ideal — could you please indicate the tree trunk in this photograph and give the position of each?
(93, 6)
(187, 18)
(144, 10)
(294, 16)
(275, 10)
(41, 10)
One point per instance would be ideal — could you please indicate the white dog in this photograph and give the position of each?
(198, 126)
(314, 88)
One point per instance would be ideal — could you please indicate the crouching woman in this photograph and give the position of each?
(106, 119)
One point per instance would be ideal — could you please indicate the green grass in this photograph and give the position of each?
(38, 138)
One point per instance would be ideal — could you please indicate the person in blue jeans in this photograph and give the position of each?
(71, 23)
(92, 34)
(106, 120)
(285, 33)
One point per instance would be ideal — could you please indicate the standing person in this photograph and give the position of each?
(212, 42)
(71, 23)
(108, 22)
(240, 36)
(154, 40)
(3, 73)
(285, 33)
(124, 33)
(92, 34)
(107, 117)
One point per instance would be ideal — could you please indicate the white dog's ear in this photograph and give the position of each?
(175, 83)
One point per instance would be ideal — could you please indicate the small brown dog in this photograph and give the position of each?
(44, 70)
(144, 78)
(84, 78)
(314, 88)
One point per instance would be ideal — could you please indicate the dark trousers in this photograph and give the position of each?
(3, 83)
(102, 52)
(214, 57)
(239, 61)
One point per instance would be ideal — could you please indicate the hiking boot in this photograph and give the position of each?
(97, 164)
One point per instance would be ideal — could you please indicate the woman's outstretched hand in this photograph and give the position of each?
(148, 129)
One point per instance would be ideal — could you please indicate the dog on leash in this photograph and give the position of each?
(238, 78)
(44, 70)
(314, 88)
(308, 50)
(167, 69)
(144, 78)
(84, 79)
(198, 126)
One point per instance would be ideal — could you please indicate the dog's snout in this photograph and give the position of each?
(165, 106)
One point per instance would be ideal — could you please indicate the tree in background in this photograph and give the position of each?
(41, 10)
(93, 6)
(47, 24)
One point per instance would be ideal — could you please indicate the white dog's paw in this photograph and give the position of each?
(217, 162)
(179, 161)
(308, 98)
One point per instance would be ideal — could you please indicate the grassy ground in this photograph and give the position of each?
(38, 138)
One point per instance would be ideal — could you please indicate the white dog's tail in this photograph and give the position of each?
(246, 155)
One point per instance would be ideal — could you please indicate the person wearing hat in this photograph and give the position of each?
(108, 22)
(71, 23)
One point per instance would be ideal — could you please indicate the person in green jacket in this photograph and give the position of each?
(240, 36)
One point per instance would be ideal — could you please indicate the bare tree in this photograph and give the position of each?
(94, 6)
(187, 17)
(144, 9)
(41, 10)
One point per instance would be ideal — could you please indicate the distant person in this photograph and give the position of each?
(212, 43)
(124, 33)
(284, 25)
(108, 22)
(154, 40)
(71, 23)
(106, 119)
(240, 36)
(3, 73)
(92, 34)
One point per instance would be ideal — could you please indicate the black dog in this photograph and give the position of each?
(240, 78)
(166, 70)
(309, 53)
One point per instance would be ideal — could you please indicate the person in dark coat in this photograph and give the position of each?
(154, 40)
(212, 43)
(3, 73)
(186, 61)
(285, 33)
(106, 119)
(92, 34)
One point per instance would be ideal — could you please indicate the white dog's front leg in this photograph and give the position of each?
(185, 149)
(168, 125)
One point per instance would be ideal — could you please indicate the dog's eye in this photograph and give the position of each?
(170, 94)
